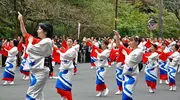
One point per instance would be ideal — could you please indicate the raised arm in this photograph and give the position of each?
(117, 38)
(22, 26)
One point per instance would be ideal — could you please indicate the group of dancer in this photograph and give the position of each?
(41, 54)
(130, 56)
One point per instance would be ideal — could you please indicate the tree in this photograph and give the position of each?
(173, 6)
(96, 16)
(131, 21)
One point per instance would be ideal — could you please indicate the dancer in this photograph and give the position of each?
(151, 69)
(162, 64)
(10, 68)
(119, 70)
(172, 67)
(132, 59)
(24, 63)
(76, 46)
(63, 84)
(102, 64)
(37, 52)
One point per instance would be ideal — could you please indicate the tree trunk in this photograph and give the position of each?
(15, 19)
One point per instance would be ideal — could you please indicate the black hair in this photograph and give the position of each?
(70, 38)
(125, 44)
(97, 39)
(47, 27)
(105, 41)
(176, 46)
(15, 43)
(78, 41)
(155, 46)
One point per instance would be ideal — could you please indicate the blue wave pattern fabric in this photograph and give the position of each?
(63, 82)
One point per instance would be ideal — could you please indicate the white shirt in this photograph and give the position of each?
(175, 59)
(12, 55)
(67, 59)
(152, 59)
(102, 58)
(131, 62)
(38, 52)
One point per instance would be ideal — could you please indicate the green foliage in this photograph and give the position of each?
(96, 17)
(171, 25)
(131, 21)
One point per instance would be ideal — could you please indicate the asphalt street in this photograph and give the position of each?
(84, 87)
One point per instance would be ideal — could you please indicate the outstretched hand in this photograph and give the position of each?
(20, 17)
(117, 34)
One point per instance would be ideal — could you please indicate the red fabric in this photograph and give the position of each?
(121, 56)
(55, 55)
(100, 87)
(163, 56)
(65, 94)
(166, 42)
(93, 65)
(113, 54)
(64, 44)
(88, 43)
(51, 74)
(128, 50)
(35, 40)
(109, 63)
(25, 73)
(75, 70)
(172, 84)
(120, 88)
(3, 51)
(158, 47)
(63, 51)
(20, 47)
(150, 84)
(25, 55)
(148, 44)
(8, 79)
(93, 53)
(163, 76)
(125, 40)
(144, 57)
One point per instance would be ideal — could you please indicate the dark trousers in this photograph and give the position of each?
(19, 59)
(3, 60)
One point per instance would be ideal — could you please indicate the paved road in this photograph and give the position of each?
(84, 87)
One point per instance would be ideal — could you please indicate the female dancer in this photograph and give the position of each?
(151, 69)
(63, 84)
(119, 70)
(9, 72)
(37, 54)
(24, 62)
(172, 67)
(102, 64)
(162, 64)
(132, 59)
